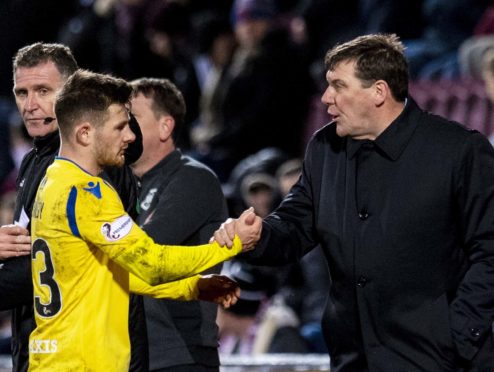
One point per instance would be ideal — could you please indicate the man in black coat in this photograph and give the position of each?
(402, 203)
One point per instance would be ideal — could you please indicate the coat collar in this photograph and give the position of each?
(166, 166)
(395, 137)
(47, 144)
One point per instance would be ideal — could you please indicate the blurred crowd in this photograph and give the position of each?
(252, 74)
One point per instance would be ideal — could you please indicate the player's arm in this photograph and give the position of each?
(184, 289)
(99, 219)
(214, 288)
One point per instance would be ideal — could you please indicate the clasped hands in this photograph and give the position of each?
(15, 241)
(219, 288)
(248, 228)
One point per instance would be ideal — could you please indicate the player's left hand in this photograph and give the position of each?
(219, 289)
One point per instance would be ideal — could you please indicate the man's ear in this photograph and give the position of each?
(166, 127)
(84, 133)
(381, 92)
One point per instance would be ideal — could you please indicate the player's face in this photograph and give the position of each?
(349, 103)
(35, 89)
(113, 137)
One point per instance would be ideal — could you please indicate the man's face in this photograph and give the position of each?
(349, 103)
(149, 124)
(113, 137)
(35, 90)
(250, 32)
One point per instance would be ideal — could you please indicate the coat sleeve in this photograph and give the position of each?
(472, 310)
(16, 285)
(289, 232)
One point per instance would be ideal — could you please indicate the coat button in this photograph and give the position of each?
(362, 281)
(475, 332)
(363, 215)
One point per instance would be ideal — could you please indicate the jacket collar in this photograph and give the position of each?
(47, 144)
(395, 137)
(166, 166)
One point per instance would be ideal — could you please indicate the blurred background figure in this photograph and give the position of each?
(446, 25)
(252, 182)
(5, 333)
(216, 45)
(265, 91)
(487, 73)
(256, 324)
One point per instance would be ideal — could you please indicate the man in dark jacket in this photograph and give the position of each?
(39, 72)
(402, 203)
(182, 204)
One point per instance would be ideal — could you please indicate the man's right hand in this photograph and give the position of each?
(248, 228)
(14, 241)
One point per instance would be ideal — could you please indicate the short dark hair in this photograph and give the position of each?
(167, 99)
(87, 95)
(37, 53)
(377, 57)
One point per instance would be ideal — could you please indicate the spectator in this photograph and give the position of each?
(266, 93)
(447, 25)
(216, 47)
(256, 324)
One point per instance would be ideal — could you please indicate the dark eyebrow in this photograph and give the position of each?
(337, 82)
(42, 86)
(36, 87)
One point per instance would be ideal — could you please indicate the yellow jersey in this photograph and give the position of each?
(84, 246)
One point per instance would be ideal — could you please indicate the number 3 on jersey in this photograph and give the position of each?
(52, 304)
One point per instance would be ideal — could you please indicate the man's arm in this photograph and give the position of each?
(16, 287)
(472, 311)
(287, 233)
(14, 242)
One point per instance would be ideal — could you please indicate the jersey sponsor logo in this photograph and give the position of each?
(94, 189)
(146, 203)
(43, 346)
(117, 229)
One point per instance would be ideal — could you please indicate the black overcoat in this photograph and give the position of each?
(406, 223)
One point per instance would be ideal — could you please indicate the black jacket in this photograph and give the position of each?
(181, 204)
(406, 225)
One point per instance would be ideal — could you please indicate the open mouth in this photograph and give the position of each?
(35, 120)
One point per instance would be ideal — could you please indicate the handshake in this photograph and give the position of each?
(221, 289)
(247, 227)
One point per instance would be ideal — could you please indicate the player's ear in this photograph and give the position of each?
(83, 133)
